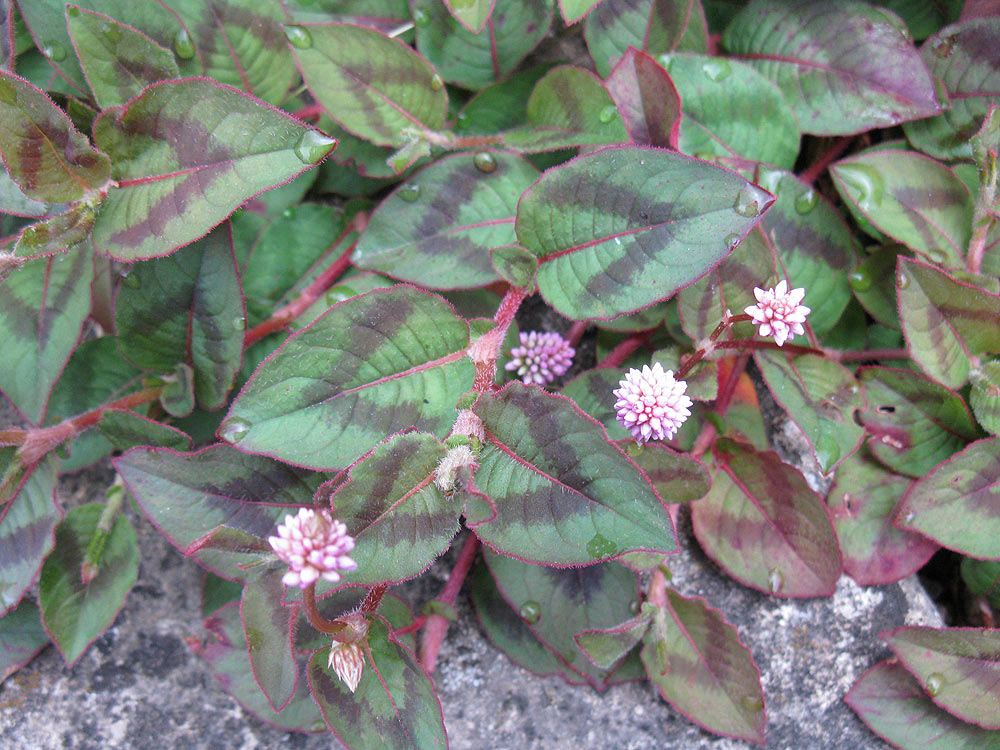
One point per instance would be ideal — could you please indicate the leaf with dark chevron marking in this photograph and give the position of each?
(562, 494)
(267, 625)
(188, 495)
(627, 226)
(394, 706)
(647, 98)
(187, 308)
(126, 429)
(763, 524)
(438, 227)
(57, 233)
(21, 638)
(234, 148)
(958, 503)
(711, 676)
(48, 158)
(368, 367)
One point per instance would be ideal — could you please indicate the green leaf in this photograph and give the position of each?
(126, 429)
(914, 423)
(267, 625)
(368, 367)
(43, 306)
(394, 707)
(21, 638)
(374, 86)
(787, 545)
(500, 106)
(14, 201)
(821, 397)
(177, 396)
(591, 392)
(652, 26)
(233, 149)
(912, 198)
(473, 14)
(965, 58)
(958, 503)
(863, 502)
(985, 395)
(187, 307)
(983, 579)
(924, 17)
(844, 67)
(568, 107)
(647, 99)
(874, 284)
(48, 158)
(732, 110)
(673, 219)
(515, 265)
(118, 61)
(75, 613)
(438, 227)
(711, 678)
(57, 233)
(607, 647)
(945, 321)
(959, 668)
(676, 477)
(188, 495)
(399, 518)
(896, 707)
(474, 61)
(554, 491)
(557, 604)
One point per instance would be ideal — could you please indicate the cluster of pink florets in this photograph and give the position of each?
(315, 545)
(541, 357)
(651, 403)
(778, 312)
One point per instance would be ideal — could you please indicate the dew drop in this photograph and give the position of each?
(420, 18)
(936, 256)
(774, 580)
(745, 204)
(752, 702)
(485, 162)
(634, 606)
(313, 146)
(609, 113)
(131, 280)
(865, 182)
(298, 37)
(600, 546)
(183, 46)
(240, 323)
(716, 69)
(73, 11)
(944, 46)
(618, 240)
(769, 179)
(409, 192)
(339, 293)
(437, 82)
(807, 201)
(288, 213)
(732, 240)
(935, 681)
(827, 451)
(902, 280)
(233, 430)
(860, 280)
(111, 32)
(531, 612)
(909, 517)
(54, 51)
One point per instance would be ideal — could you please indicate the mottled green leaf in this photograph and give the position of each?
(118, 61)
(966, 59)
(652, 26)
(437, 228)
(985, 395)
(912, 198)
(43, 306)
(924, 17)
(48, 158)
(647, 98)
(672, 219)
(177, 396)
(711, 677)
(474, 61)
(188, 495)
(606, 647)
(374, 86)
(500, 106)
(384, 15)
(874, 284)
(983, 579)
(515, 265)
(896, 707)
(14, 201)
(368, 367)
(473, 14)
(267, 625)
(959, 668)
(560, 493)
(821, 397)
(126, 429)
(172, 191)
(76, 613)
(591, 391)
(764, 525)
(57, 233)
(21, 638)
(863, 501)
(958, 503)
(676, 477)
(844, 67)
(394, 706)
(945, 321)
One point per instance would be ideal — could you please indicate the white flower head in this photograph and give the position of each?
(651, 403)
(315, 545)
(778, 312)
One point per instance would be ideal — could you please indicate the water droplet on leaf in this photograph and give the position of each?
(111, 32)
(944, 46)
(485, 162)
(865, 182)
(717, 69)
(752, 702)
(131, 280)
(73, 11)
(634, 606)
(240, 323)
(420, 18)
(409, 192)
(936, 256)
(935, 681)
(234, 429)
(54, 51)
(827, 452)
(746, 204)
(531, 612)
(774, 581)
(909, 517)
(769, 179)
(183, 46)
(313, 146)
(609, 113)
(298, 37)
(600, 546)
(288, 213)
(860, 280)
(807, 201)
(902, 280)
(732, 240)
(338, 294)
(437, 82)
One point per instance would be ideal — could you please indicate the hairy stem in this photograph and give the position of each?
(436, 626)
(313, 614)
(373, 599)
(486, 348)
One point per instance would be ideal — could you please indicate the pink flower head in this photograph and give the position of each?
(315, 545)
(651, 403)
(541, 357)
(778, 312)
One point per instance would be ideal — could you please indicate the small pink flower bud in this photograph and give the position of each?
(347, 660)
(315, 545)
(778, 312)
(541, 357)
(651, 403)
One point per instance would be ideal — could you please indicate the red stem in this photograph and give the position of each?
(312, 112)
(833, 153)
(575, 333)
(722, 401)
(436, 626)
(485, 349)
(757, 344)
(313, 614)
(621, 352)
(374, 598)
(870, 354)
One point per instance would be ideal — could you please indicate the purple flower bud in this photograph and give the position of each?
(541, 357)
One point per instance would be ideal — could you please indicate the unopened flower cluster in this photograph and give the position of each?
(315, 545)
(541, 357)
(651, 403)
(778, 312)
